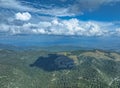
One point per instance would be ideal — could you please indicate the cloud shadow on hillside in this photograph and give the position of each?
(53, 62)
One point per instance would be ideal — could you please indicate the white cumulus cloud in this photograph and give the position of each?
(69, 27)
(63, 27)
(25, 16)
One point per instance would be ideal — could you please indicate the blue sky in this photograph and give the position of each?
(60, 17)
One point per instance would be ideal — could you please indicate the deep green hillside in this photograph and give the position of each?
(71, 69)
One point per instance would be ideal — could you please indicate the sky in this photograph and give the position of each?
(60, 17)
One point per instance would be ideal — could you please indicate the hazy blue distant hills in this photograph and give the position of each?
(47, 48)
(7, 46)
(60, 42)
(52, 48)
